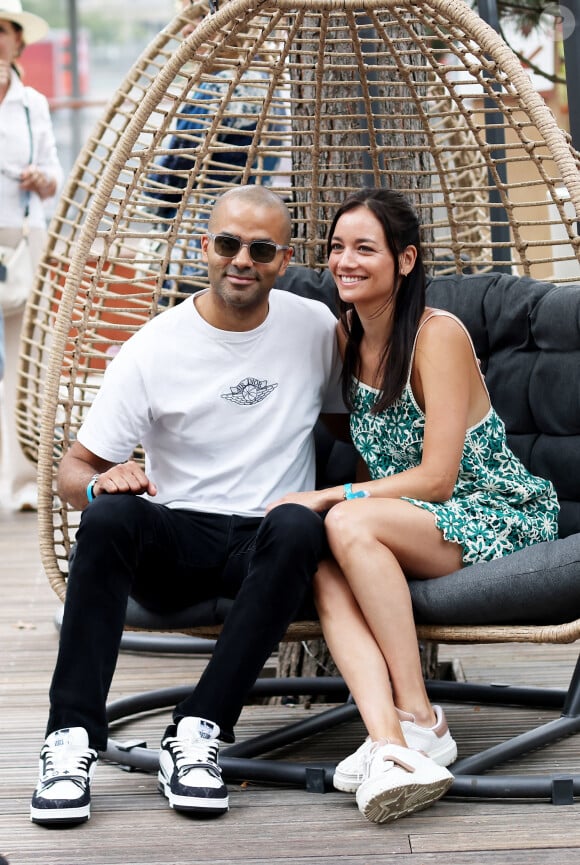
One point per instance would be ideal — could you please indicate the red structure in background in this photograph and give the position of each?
(47, 65)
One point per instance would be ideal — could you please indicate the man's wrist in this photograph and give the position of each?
(91, 488)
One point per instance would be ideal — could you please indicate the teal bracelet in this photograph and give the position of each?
(348, 493)
(90, 487)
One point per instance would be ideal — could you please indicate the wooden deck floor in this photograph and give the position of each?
(131, 823)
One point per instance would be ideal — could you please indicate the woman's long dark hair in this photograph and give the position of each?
(400, 225)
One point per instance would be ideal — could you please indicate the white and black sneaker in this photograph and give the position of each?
(189, 774)
(66, 766)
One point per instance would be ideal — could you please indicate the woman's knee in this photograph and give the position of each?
(345, 527)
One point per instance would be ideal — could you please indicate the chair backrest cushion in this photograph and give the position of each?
(527, 336)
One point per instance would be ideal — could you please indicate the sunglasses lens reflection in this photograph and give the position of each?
(261, 251)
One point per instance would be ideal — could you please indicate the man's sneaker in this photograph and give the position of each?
(66, 766)
(399, 781)
(436, 742)
(189, 774)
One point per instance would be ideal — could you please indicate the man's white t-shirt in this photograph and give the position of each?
(225, 418)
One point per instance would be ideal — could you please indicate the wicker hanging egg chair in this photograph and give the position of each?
(421, 96)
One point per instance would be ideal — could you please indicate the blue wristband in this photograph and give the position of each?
(90, 486)
(348, 493)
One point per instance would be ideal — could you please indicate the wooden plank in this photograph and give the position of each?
(544, 831)
(131, 823)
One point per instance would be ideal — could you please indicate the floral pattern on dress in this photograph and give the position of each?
(497, 505)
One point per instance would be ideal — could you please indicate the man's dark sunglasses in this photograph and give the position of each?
(261, 251)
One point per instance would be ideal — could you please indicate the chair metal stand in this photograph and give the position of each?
(243, 760)
(469, 782)
(238, 760)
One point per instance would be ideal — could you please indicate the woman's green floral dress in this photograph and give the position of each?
(497, 506)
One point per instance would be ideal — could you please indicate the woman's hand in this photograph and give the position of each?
(316, 500)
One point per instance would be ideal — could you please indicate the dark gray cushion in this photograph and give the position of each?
(307, 282)
(527, 336)
(535, 586)
(210, 612)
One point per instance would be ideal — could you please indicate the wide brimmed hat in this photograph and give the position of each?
(33, 26)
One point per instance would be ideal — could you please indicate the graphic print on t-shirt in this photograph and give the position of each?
(249, 391)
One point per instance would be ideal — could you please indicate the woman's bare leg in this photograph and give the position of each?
(356, 653)
(376, 542)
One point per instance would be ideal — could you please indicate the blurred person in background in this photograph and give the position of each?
(168, 180)
(1, 345)
(30, 173)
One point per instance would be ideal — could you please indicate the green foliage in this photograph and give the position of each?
(525, 14)
(529, 16)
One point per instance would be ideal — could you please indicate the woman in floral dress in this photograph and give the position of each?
(443, 491)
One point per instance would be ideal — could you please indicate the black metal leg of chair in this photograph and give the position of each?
(239, 761)
(244, 760)
(560, 788)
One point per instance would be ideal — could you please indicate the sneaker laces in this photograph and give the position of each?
(195, 754)
(366, 758)
(59, 764)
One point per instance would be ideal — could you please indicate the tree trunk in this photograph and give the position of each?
(327, 115)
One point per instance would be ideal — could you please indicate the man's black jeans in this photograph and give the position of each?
(169, 559)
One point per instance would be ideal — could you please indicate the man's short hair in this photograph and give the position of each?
(259, 195)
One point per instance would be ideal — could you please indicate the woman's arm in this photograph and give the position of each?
(448, 388)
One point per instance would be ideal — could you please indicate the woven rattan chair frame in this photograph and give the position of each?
(424, 97)
(406, 106)
(90, 296)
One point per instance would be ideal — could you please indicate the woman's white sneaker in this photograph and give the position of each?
(436, 742)
(399, 782)
(350, 772)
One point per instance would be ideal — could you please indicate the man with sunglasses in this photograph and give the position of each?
(223, 392)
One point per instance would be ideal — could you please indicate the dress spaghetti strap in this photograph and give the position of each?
(444, 312)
